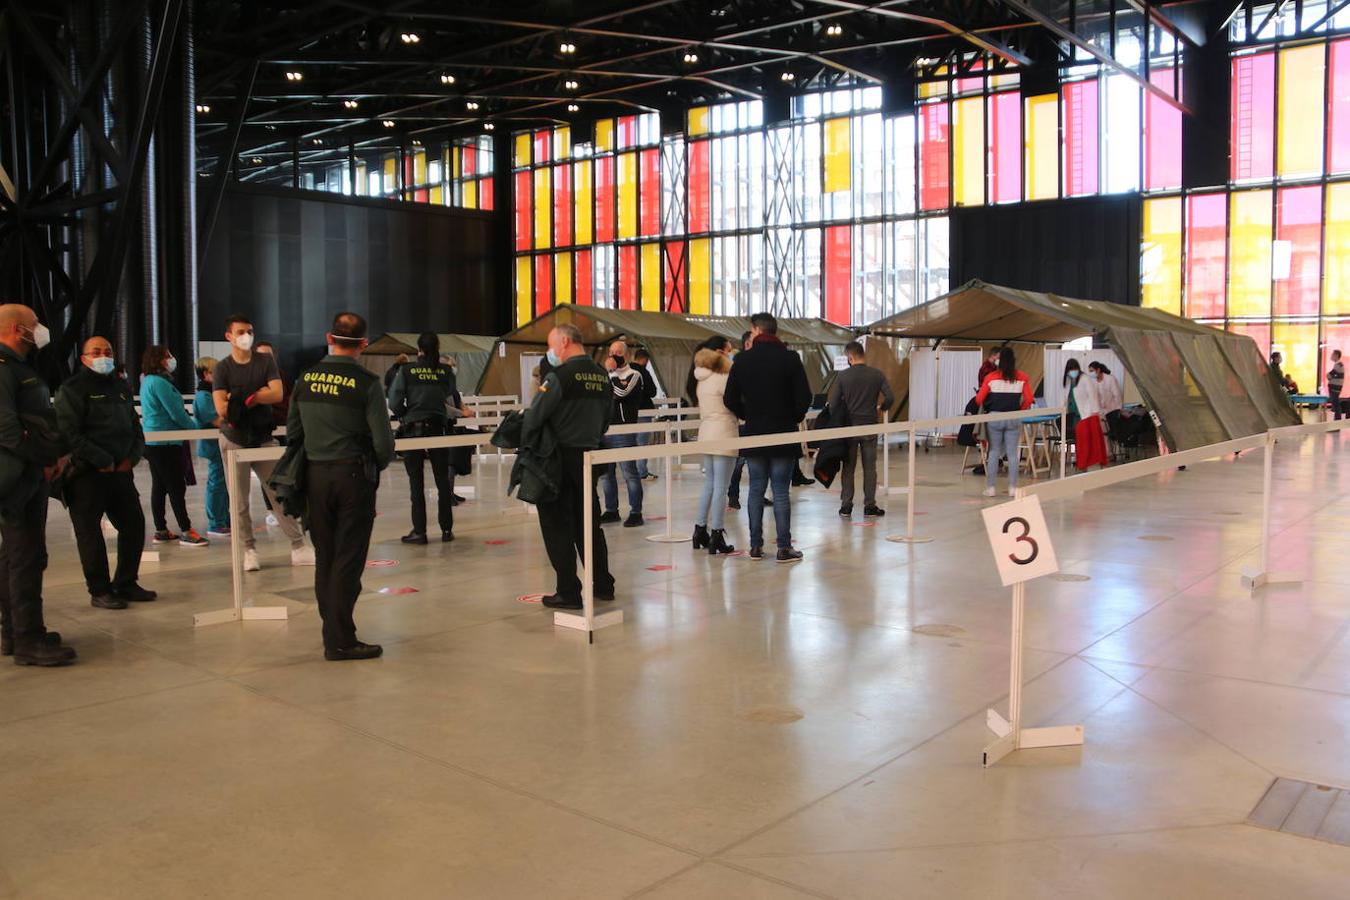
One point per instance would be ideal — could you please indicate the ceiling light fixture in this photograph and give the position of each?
(409, 37)
(489, 126)
(471, 104)
(567, 48)
(572, 107)
(295, 76)
(257, 160)
(318, 142)
(571, 85)
(203, 108)
(388, 123)
(834, 30)
(350, 104)
(691, 58)
(447, 79)
(788, 76)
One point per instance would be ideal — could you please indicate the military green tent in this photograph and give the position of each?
(470, 351)
(1206, 385)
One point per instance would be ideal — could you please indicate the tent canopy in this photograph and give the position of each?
(1205, 384)
(670, 339)
(470, 351)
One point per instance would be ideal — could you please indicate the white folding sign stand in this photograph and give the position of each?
(1022, 551)
(1255, 578)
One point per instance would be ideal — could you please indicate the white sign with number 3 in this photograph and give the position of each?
(1020, 540)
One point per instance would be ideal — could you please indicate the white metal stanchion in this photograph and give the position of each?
(909, 537)
(670, 537)
(1260, 576)
(1009, 733)
(588, 621)
(1063, 439)
(886, 457)
(238, 612)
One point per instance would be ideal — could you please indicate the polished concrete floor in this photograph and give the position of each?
(751, 730)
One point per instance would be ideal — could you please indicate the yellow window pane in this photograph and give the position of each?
(930, 89)
(651, 277)
(1336, 259)
(838, 158)
(698, 120)
(1297, 341)
(700, 277)
(524, 291)
(1249, 255)
(454, 162)
(522, 157)
(389, 184)
(968, 151)
(543, 207)
(562, 277)
(562, 142)
(362, 180)
(1160, 255)
(627, 195)
(420, 167)
(470, 194)
(1042, 147)
(604, 135)
(1301, 105)
(581, 186)
(438, 196)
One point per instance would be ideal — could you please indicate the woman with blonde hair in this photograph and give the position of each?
(712, 365)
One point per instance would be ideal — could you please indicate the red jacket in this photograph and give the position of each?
(997, 394)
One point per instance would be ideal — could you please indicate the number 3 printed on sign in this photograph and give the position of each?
(1020, 540)
(1023, 538)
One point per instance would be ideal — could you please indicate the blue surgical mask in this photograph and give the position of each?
(171, 364)
(103, 365)
(554, 359)
(1073, 376)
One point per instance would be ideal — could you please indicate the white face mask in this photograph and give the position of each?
(244, 341)
(171, 364)
(103, 365)
(41, 336)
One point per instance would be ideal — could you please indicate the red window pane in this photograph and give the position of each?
(543, 146)
(1297, 253)
(627, 131)
(524, 210)
(421, 196)
(604, 199)
(469, 161)
(674, 277)
(1005, 144)
(562, 205)
(1162, 135)
(649, 201)
(1338, 121)
(628, 276)
(543, 283)
(1081, 162)
(935, 156)
(699, 161)
(1253, 116)
(581, 273)
(969, 85)
(839, 274)
(485, 193)
(1257, 331)
(1206, 255)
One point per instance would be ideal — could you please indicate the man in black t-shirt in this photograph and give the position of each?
(244, 387)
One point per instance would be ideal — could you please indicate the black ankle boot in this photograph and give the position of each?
(700, 537)
(717, 542)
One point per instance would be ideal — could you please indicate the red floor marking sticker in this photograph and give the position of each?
(399, 590)
(497, 542)
(864, 524)
(735, 554)
(659, 568)
(654, 518)
(531, 598)
(381, 563)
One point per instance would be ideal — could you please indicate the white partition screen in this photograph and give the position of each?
(1056, 358)
(941, 382)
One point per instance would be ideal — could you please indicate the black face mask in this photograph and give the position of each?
(618, 360)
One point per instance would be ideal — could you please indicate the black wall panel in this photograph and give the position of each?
(1086, 248)
(290, 260)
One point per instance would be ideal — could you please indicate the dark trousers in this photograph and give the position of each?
(867, 448)
(562, 525)
(1334, 395)
(734, 487)
(90, 497)
(23, 557)
(445, 487)
(167, 480)
(341, 516)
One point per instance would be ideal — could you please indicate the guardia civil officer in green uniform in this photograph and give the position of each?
(425, 397)
(574, 400)
(26, 465)
(338, 412)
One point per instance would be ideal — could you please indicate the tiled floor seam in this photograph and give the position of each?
(1093, 660)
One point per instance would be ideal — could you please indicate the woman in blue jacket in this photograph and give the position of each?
(204, 408)
(162, 410)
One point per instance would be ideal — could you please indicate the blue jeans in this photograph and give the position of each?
(776, 472)
(217, 497)
(1003, 438)
(610, 484)
(716, 475)
(643, 440)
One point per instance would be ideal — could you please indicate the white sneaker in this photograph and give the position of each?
(271, 520)
(1012, 492)
(302, 556)
(251, 563)
(990, 492)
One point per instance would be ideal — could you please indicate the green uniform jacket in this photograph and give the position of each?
(421, 390)
(98, 420)
(575, 401)
(24, 403)
(338, 412)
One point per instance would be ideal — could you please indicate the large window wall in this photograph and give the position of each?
(840, 211)
(1268, 254)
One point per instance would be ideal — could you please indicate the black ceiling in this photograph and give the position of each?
(506, 56)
